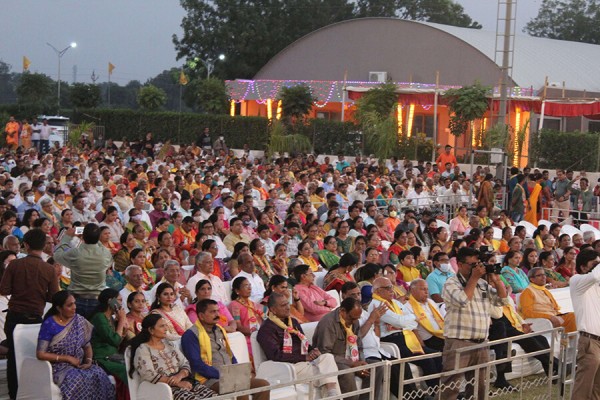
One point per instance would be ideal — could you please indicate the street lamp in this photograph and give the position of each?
(60, 53)
(209, 63)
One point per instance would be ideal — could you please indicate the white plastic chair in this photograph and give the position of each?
(227, 286)
(275, 372)
(309, 330)
(442, 224)
(239, 346)
(39, 383)
(544, 222)
(497, 233)
(319, 278)
(144, 390)
(334, 293)
(563, 299)
(569, 230)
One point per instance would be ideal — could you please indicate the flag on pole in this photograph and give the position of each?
(111, 67)
(26, 63)
(183, 80)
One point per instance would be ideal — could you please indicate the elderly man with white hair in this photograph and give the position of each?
(204, 266)
(589, 237)
(12, 243)
(135, 279)
(171, 275)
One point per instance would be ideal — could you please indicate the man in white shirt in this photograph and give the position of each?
(45, 131)
(369, 332)
(441, 190)
(426, 311)
(135, 279)
(81, 213)
(248, 271)
(585, 292)
(452, 196)
(418, 198)
(204, 270)
(393, 324)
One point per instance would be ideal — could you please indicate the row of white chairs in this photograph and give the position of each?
(567, 228)
(40, 384)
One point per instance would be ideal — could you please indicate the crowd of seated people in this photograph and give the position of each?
(167, 230)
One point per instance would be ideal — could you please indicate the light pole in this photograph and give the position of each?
(209, 63)
(60, 53)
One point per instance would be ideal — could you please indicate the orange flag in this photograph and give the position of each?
(26, 63)
(110, 68)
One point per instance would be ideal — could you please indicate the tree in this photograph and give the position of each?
(35, 93)
(467, 104)
(439, 11)
(207, 95)
(296, 103)
(151, 98)
(250, 33)
(7, 84)
(380, 100)
(85, 95)
(168, 80)
(374, 112)
(575, 20)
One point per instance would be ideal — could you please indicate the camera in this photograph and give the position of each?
(493, 268)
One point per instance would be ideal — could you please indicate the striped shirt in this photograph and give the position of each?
(468, 319)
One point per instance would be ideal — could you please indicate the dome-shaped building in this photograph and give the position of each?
(357, 54)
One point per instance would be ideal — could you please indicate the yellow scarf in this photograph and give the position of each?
(263, 263)
(351, 341)
(188, 235)
(514, 318)
(288, 330)
(206, 349)
(463, 221)
(424, 321)
(311, 262)
(548, 294)
(252, 312)
(412, 342)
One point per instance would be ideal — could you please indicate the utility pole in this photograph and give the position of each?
(505, 42)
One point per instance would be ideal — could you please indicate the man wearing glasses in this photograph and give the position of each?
(399, 326)
(469, 300)
(585, 292)
(536, 301)
(208, 228)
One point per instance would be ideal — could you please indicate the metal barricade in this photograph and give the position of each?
(549, 386)
(553, 214)
(445, 206)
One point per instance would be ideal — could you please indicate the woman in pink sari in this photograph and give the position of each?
(204, 291)
(247, 314)
(164, 304)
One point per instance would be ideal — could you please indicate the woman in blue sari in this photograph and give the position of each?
(64, 341)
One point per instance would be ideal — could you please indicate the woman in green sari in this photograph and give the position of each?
(329, 256)
(110, 327)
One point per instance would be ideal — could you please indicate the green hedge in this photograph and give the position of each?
(573, 150)
(179, 128)
(327, 136)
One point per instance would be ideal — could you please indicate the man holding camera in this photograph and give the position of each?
(469, 300)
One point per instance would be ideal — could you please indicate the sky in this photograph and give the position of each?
(134, 35)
